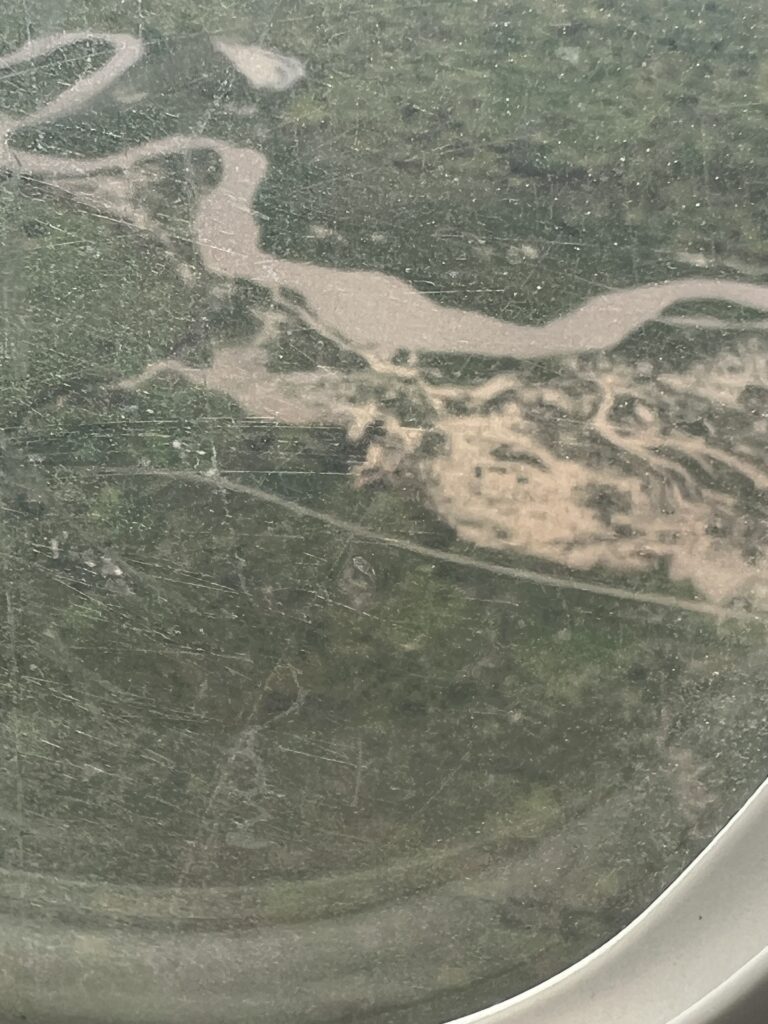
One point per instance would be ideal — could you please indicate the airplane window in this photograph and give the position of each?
(383, 493)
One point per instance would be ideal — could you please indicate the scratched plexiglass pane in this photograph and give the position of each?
(383, 477)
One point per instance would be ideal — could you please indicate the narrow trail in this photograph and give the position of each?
(218, 482)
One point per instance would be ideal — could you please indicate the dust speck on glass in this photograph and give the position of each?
(383, 479)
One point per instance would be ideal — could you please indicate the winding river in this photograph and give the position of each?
(541, 512)
(375, 314)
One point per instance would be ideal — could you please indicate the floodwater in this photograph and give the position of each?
(384, 622)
